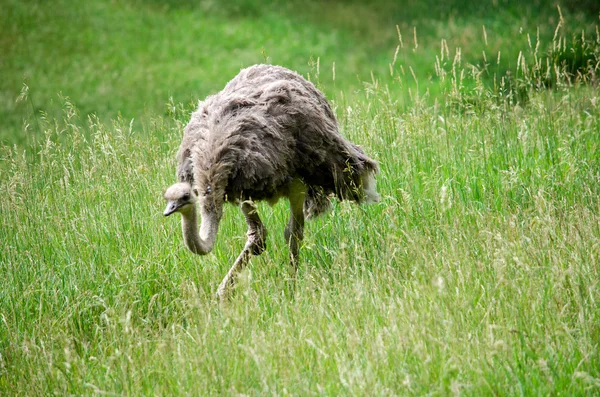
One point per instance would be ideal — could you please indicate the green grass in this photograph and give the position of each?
(477, 274)
(129, 57)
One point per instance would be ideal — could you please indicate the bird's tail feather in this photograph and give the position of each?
(369, 187)
(361, 188)
(316, 203)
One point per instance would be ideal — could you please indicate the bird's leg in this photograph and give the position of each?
(257, 232)
(255, 245)
(294, 231)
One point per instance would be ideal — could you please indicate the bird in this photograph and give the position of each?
(270, 133)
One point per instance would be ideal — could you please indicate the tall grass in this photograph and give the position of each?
(128, 57)
(477, 273)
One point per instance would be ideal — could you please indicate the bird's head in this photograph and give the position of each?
(180, 197)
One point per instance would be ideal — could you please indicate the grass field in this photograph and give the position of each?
(477, 274)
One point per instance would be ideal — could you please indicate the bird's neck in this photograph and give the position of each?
(203, 242)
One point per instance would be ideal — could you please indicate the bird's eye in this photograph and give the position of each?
(186, 196)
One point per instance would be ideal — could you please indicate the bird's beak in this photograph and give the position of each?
(171, 207)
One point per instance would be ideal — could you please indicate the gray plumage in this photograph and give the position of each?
(267, 126)
(267, 134)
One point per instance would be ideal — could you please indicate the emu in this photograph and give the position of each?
(268, 134)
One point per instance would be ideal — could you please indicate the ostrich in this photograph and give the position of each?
(268, 134)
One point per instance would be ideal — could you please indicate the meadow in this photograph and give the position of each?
(477, 273)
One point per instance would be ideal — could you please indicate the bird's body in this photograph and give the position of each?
(269, 134)
(265, 128)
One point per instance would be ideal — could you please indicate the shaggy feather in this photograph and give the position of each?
(267, 127)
